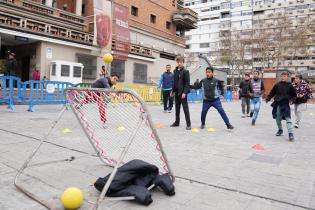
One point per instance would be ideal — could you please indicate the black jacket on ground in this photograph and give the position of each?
(133, 179)
(181, 81)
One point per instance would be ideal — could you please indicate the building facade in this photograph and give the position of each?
(221, 19)
(156, 37)
(41, 31)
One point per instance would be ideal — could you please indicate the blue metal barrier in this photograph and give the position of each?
(228, 96)
(44, 92)
(195, 95)
(10, 91)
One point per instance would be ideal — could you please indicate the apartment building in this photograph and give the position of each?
(220, 19)
(143, 36)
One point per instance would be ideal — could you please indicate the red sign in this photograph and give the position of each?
(121, 32)
(103, 30)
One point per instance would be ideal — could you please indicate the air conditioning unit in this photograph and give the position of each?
(279, 4)
(313, 62)
(290, 2)
(290, 13)
(302, 63)
(269, 5)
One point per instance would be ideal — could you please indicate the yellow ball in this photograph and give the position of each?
(107, 58)
(72, 198)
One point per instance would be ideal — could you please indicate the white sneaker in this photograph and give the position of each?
(169, 111)
(243, 116)
(296, 125)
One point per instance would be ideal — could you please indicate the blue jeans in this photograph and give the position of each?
(255, 106)
(218, 106)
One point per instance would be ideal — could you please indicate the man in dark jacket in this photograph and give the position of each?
(303, 92)
(180, 90)
(212, 90)
(166, 82)
(11, 65)
(283, 93)
(245, 90)
(106, 82)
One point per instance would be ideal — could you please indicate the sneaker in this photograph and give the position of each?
(248, 115)
(296, 125)
(175, 124)
(279, 133)
(169, 111)
(291, 137)
(243, 116)
(253, 122)
(202, 127)
(230, 127)
(188, 127)
(251, 114)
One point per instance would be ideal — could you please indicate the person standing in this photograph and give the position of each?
(245, 90)
(303, 92)
(11, 65)
(104, 82)
(283, 93)
(212, 90)
(258, 89)
(103, 72)
(180, 90)
(166, 82)
(36, 74)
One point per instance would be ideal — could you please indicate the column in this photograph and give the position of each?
(78, 5)
(49, 3)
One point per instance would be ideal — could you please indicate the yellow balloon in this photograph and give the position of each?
(72, 198)
(107, 58)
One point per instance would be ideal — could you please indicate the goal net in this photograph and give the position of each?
(111, 118)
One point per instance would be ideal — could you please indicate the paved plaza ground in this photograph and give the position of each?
(214, 170)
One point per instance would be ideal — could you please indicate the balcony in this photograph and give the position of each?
(185, 19)
(34, 9)
(31, 17)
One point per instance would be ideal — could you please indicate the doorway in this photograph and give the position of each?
(25, 68)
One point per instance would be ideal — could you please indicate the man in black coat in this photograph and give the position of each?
(180, 90)
(283, 93)
(11, 65)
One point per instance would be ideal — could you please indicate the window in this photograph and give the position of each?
(53, 70)
(65, 70)
(204, 1)
(204, 19)
(152, 18)
(118, 67)
(89, 63)
(134, 11)
(215, 8)
(236, 4)
(168, 25)
(205, 10)
(77, 71)
(225, 5)
(187, 46)
(225, 14)
(140, 73)
(204, 45)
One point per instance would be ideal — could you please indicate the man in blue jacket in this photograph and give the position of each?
(212, 90)
(166, 82)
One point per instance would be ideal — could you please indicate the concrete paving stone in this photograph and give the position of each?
(217, 159)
